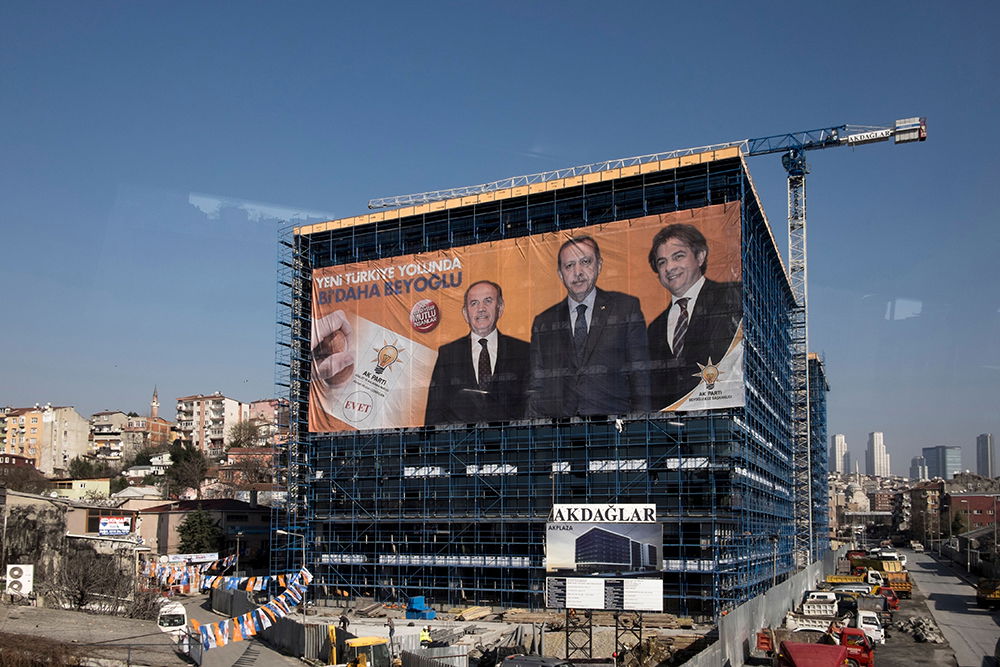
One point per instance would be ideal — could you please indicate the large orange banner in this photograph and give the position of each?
(626, 317)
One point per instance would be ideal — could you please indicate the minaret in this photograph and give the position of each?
(154, 406)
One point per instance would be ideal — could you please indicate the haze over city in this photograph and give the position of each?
(151, 151)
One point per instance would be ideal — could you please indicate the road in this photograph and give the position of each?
(970, 630)
(253, 653)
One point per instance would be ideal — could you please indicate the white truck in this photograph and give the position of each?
(869, 622)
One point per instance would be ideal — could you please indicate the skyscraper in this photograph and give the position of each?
(838, 454)
(943, 461)
(876, 458)
(985, 455)
(918, 468)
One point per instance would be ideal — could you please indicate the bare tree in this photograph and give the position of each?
(245, 433)
(102, 583)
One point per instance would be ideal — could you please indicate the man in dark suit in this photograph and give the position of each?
(482, 376)
(589, 354)
(698, 326)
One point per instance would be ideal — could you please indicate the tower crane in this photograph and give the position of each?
(792, 146)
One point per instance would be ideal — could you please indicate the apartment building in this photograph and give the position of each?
(106, 434)
(50, 436)
(271, 417)
(205, 419)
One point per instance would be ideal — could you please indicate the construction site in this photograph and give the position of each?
(456, 513)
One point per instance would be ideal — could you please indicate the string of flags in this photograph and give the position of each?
(179, 574)
(247, 625)
(245, 583)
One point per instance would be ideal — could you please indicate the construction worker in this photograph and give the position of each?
(425, 635)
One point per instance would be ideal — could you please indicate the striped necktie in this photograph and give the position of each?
(681, 328)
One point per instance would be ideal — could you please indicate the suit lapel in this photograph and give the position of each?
(466, 372)
(698, 322)
(500, 362)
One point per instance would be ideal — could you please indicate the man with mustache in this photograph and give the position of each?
(589, 354)
(699, 324)
(482, 376)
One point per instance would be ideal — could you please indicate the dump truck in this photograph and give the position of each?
(873, 577)
(876, 603)
(988, 593)
(868, 621)
(878, 564)
(793, 654)
(859, 649)
(900, 582)
(819, 603)
(797, 621)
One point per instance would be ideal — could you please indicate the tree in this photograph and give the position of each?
(144, 457)
(118, 483)
(81, 468)
(199, 533)
(188, 467)
(245, 433)
(251, 471)
(26, 479)
(958, 525)
(103, 583)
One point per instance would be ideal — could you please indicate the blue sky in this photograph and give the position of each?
(147, 148)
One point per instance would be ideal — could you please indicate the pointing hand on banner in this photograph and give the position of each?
(332, 349)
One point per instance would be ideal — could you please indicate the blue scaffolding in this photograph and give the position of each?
(819, 456)
(394, 513)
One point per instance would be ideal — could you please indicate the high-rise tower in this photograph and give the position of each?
(838, 454)
(876, 457)
(985, 455)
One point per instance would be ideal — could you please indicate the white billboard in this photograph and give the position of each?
(114, 525)
(608, 594)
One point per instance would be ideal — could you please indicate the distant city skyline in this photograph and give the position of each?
(969, 460)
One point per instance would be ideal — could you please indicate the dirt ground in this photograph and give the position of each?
(125, 639)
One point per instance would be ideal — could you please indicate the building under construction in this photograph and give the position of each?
(457, 512)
